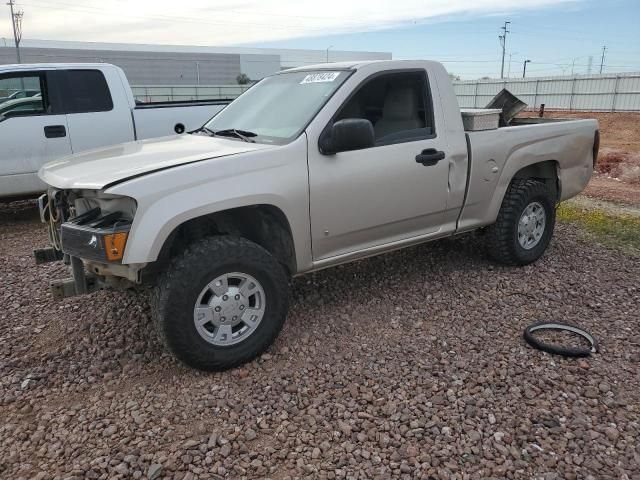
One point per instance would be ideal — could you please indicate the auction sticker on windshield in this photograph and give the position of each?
(320, 77)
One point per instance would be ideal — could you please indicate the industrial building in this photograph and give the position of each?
(177, 64)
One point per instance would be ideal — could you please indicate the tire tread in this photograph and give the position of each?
(500, 235)
(176, 278)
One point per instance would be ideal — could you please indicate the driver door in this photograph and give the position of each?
(366, 198)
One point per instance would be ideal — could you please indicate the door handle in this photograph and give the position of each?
(430, 157)
(55, 131)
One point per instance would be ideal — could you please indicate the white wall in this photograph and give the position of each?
(259, 66)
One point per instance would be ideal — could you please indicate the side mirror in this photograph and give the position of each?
(348, 134)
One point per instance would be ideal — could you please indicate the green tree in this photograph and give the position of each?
(243, 79)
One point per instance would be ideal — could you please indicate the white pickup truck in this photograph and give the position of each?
(49, 111)
(311, 168)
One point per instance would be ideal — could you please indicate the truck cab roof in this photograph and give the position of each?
(53, 66)
(356, 65)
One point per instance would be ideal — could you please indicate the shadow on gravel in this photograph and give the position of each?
(423, 267)
(20, 211)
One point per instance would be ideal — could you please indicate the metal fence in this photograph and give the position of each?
(607, 92)
(167, 93)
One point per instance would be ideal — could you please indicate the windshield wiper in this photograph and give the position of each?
(234, 132)
(204, 129)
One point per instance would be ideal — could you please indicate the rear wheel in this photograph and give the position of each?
(525, 223)
(221, 303)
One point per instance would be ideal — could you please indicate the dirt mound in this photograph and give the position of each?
(612, 190)
(623, 166)
(620, 141)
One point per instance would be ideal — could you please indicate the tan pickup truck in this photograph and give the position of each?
(310, 168)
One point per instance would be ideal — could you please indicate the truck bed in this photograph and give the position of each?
(569, 143)
(156, 119)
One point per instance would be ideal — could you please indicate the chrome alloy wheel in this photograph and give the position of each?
(229, 309)
(531, 225)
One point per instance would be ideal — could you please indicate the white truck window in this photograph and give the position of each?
(21, 95)
(397, 104)
(86, 91)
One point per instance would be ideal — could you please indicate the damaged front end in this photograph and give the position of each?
(88, 230)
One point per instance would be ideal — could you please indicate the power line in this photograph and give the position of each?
(261, 13)
(574, 39)
(356, 22)
(166, 18)
(566, 65)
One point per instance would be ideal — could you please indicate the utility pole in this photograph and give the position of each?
(503, 42)
(589, 64)
(604, 49)
(330, 46)
(16, 22)
(524, 68)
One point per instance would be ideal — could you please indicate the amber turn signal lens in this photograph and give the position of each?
(114, 245)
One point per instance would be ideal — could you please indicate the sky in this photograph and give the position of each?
(558, 36)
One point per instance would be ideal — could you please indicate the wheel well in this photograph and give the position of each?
(546, 172)
(265, 225)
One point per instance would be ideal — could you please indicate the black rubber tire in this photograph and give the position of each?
(178, 287)
(559, 349)
(502, 236)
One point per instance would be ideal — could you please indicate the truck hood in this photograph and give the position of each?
(96, 169)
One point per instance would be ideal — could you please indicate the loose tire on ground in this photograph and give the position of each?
(560, 349)
(181, 287)
(503, 241)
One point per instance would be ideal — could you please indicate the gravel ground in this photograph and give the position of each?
(409, 365)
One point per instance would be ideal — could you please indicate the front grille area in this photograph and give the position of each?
(83, 236)
(82, 242)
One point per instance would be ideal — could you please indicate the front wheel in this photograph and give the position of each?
(525, 223)
(220, 303)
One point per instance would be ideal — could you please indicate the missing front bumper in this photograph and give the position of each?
(79, 284)
(84, 281)
(66, 288)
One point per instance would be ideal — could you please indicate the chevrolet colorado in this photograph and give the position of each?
(312, 167)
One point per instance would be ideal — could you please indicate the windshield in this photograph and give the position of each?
(279, 107)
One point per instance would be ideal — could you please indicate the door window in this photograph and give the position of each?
(22, 95)
(86, 91)
(397, 104)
